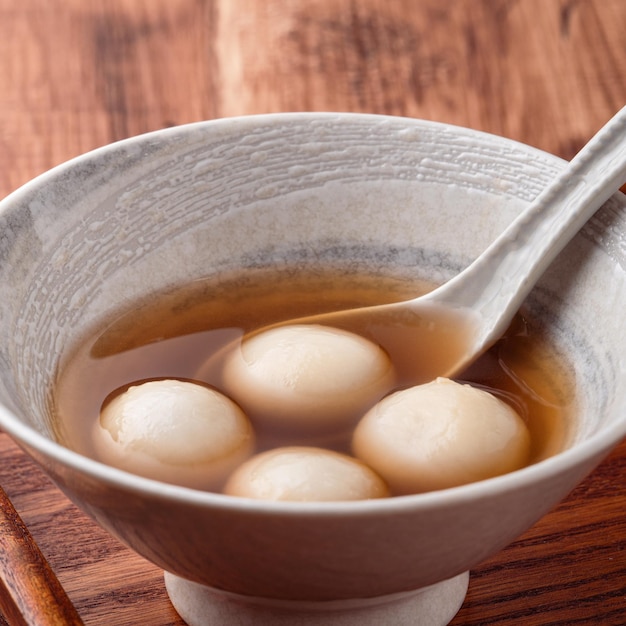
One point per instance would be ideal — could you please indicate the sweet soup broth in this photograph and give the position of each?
(173, 334)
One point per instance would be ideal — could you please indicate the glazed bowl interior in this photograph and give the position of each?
(387, 196)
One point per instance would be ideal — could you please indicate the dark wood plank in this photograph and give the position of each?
(30, 592)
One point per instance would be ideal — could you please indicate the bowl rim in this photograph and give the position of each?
(594, 447)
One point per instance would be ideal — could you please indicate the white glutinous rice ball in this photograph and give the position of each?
(305, 474)
(441, 434)
(309, 378)
(175, 431)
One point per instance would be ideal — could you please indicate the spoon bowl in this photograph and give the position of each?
(445, 330)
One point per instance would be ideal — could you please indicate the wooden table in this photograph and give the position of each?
(76, 74)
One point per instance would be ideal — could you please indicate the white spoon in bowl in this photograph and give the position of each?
(442, 332)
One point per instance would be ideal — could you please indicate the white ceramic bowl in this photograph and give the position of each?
(406, 196)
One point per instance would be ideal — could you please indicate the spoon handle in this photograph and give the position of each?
(495, 285)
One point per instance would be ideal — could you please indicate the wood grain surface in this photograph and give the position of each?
(26, 575)
(77, 74)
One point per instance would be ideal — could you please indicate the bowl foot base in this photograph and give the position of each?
(199, 605)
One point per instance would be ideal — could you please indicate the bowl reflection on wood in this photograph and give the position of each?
(395, 196)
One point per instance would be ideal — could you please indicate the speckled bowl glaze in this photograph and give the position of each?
(408, 197)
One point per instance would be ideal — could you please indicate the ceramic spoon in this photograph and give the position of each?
(442, 332)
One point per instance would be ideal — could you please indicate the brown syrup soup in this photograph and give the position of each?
(172, 334)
